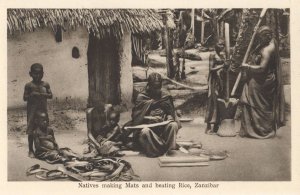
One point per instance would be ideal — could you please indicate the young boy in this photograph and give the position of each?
(46, 147)
(36, 94)
(217, 63)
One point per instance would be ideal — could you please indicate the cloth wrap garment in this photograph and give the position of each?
(215, 88)
(154, 141)
(47, 149)
(262, 99)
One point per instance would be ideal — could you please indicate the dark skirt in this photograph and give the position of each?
(157, 141)
(257, 102)
(214, 90)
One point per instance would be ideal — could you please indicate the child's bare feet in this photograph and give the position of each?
(208, 128)
(210, 132)
(31, 154)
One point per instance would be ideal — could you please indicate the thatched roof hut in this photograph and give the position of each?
(99, 22)
(109, 47)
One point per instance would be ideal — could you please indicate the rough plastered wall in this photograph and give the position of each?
(126, 80)
(67, 76)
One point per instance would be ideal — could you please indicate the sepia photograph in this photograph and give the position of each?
(170, 94)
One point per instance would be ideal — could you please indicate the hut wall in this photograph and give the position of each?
(67, 76)
(126, 80)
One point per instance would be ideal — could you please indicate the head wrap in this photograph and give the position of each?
(264, 29)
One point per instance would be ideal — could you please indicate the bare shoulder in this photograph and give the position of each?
(46, 84)
(50, 131)
(141, 96)
(29, 85)
(165, 92)
(269, 49)
(212, 55)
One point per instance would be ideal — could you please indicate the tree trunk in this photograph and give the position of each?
(169, 49)
(214, 26)
(109, 70)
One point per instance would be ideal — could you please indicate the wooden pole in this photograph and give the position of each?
(193, 22)
(227, 49)
(202, 27)
(222, 29)
(262, 14)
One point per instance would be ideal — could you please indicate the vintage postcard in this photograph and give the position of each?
(150, 97)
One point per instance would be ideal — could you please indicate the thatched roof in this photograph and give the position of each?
(100, 22)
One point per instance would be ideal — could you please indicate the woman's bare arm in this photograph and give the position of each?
(115, 131)
(26, 95)
(212, 61)
(266, 55)
(218, 67)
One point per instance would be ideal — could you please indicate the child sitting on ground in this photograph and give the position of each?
(46, 147)
(103, 130)
(36, 94)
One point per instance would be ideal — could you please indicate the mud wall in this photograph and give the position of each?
(126, 80)
(67, 76)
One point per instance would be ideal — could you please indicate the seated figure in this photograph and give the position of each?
(46, 147)
(103, 130)
(154, 106)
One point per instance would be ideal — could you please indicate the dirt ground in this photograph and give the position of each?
(249, 160)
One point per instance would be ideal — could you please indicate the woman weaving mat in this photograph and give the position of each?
(155, 107)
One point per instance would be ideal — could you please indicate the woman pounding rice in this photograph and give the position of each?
(262, 99)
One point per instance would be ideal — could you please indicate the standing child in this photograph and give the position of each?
(36, 94)
(216, 75)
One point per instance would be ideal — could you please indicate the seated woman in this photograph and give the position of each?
(46, 147)
(262, 100)
(103, 130)
(153, 106)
